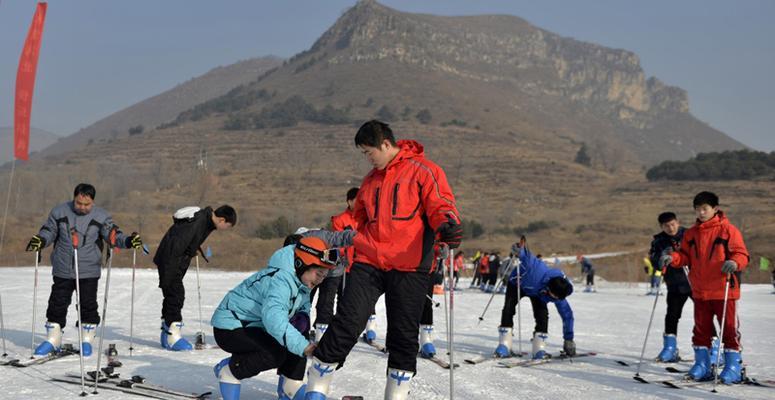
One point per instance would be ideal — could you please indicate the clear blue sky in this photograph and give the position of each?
(100, 56)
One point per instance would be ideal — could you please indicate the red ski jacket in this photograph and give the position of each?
(704, 248)
(399, 209)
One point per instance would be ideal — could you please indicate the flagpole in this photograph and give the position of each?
(7, 202)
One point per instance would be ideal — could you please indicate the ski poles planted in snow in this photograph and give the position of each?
(2, 326)
(74, 236)
(200, 336)
(34, 304)
(111, 245)
(451, 331)
(132, 305)
(637, 376)
(721, 336)
(500, 283)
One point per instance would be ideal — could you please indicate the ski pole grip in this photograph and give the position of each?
(74, 237)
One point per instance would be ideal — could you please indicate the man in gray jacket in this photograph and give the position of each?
(94, 228)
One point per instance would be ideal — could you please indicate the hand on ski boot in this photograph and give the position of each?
(451, 233)
(729, 267)
(134, 241)
(569, 347)
(36, 243)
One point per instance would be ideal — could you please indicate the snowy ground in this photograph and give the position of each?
(611, 322)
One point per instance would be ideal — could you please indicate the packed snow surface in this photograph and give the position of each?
(611, 322)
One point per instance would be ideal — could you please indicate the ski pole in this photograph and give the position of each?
(434, 302)
(495, 291)
(34, 304)
(199, 294)
(637, 376)
(111, 244)
(2, 326)
(132, 305)
(451, 284)
(78, 308)
(519, 311)
(721, 338)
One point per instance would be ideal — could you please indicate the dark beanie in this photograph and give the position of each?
(560, 287)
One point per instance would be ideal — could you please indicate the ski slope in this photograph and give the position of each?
(611, 322)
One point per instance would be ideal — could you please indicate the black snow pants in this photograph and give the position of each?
(254, 351)
(404, 299)
(540, 311)
(327, 293)
(676, 298)
(62, 294)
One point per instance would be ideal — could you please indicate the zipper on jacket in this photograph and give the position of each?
(376, 204)
(395, 199)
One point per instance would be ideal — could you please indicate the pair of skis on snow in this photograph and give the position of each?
(435, 359)
(137, 385)
(67, 350)
(684, 382)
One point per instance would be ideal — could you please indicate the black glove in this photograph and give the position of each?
(569, 347)
(729, 267)
(451, 233)
(133, 241)
(36, 243)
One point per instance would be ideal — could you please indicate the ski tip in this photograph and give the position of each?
(640, 379)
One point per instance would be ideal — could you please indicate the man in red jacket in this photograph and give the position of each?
(403, 207)
(714, 250)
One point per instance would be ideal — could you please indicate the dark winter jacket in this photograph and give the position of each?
(93, 230)
(675, 278)
(587, 267)
(180, 244)
(534, 276)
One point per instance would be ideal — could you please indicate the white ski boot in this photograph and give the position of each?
(397, 386)
(53, 342)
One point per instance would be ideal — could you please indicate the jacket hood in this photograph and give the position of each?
(409, 149)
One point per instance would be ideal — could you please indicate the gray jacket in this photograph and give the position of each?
(335, 239)
(92, 229)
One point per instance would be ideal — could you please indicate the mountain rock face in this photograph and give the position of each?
(167, 105)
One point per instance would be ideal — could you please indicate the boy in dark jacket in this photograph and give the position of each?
(678, 288)
(180, 244)
(715, 252)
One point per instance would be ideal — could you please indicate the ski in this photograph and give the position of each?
(491, 357)
(67, 350)
(530, 363)
(688, 383)
(352, 397)
(440, 362)
(111, 386)
(375, 345)
(139, 382)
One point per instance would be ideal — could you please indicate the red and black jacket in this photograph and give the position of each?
(398, 210)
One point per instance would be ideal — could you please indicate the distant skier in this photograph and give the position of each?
(542, 285)
(93, 225)
(191, 227)
(678, 288)
(404, 206)
(264, 321)
(716, 255)
(494, 266)
(588, 270)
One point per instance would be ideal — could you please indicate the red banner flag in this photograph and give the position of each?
(25, 84)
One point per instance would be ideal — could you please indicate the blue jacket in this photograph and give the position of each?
(534, 276)
(267, 300)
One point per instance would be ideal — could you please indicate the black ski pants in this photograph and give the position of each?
(404, 299)
(591, 278)
(254, 351)
(174, 295)
(477, 277)
(540, 311)
(492, 278)
(62, 294)
(327, 292)
(676, 298)
(427, 308)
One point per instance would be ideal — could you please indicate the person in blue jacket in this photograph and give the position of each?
(542, 285)
(264, 321)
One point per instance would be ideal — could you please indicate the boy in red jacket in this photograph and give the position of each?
(714, 250)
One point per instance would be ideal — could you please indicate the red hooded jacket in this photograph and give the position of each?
(704, 248)
(398, 210)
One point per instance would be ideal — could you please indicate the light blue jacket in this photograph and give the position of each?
(267, 300)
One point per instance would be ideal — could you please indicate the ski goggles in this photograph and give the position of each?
(327, 258)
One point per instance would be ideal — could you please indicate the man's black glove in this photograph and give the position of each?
(451, 233)
(133, 241)
(36, 243)
(569, 347)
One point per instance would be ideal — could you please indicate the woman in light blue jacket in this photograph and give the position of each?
(264, 321)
